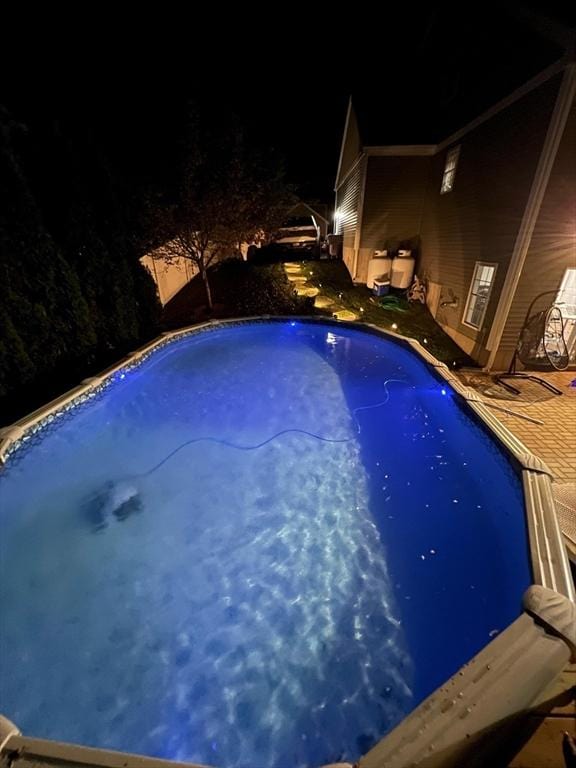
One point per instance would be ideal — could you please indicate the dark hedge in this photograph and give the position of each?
(73, 294)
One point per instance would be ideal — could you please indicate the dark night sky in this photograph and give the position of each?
(289, 75)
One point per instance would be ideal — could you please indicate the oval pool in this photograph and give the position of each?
(264, 545)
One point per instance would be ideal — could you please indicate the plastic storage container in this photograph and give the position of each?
(335, 246)
(378, 268)
(402, 270)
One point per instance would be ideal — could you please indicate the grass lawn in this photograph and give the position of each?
(415, 321)
(239, 289)
(242, 289)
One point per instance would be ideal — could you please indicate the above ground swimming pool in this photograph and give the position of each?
(263, 545)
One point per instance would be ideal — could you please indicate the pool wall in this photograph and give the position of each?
(467, 717)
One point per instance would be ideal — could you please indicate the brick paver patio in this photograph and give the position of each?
(554, 440)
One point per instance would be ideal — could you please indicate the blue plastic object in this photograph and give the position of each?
(381, 287)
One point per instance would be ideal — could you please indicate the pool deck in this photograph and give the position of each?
(554, 441)
(544, 727)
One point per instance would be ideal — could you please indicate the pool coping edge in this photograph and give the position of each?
(488, 693)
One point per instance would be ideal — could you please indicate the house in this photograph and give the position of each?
(302, 209)
(489, 209)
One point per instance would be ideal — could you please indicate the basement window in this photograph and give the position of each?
(479, 294)
(450, 170)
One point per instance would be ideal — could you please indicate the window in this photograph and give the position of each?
(450, 170)
(566, 297)
(479, 294)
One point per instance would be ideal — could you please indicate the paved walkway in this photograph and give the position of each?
(554, 440)
(299, 275)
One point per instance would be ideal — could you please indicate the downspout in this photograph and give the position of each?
(523, 239)
(359, 218)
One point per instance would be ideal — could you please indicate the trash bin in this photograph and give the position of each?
(378, 268)
(335, 246)
(402, 269)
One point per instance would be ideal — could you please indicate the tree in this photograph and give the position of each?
(73, 294)
(230, 193)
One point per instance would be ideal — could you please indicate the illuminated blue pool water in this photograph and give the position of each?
(282, 605)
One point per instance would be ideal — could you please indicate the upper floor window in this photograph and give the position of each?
(450, 170)
(479, 294)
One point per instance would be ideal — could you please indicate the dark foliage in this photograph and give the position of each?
(241, 289)
(245, 289)
(229, 192)
(73, 295)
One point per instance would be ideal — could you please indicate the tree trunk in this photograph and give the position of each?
(207, 286)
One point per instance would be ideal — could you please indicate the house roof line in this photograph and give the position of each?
(346, 124)
(310, 208)
(400, 150)
(530, 85)
(350, 170)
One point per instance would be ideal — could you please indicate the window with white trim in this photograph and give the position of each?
(450, 170)
(479, 294)
(566, 297)
(566, 300)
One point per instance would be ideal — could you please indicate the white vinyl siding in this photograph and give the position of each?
(450, 170)
(347, 209)
(479, 294)
(347, 198)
